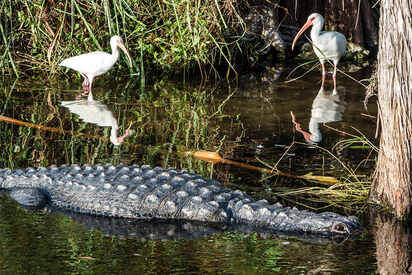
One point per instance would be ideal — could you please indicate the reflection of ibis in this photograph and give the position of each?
(93, 64)
(326, 107)
(93, 111)
(326, 45)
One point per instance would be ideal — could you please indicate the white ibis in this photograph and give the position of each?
(326, 45)
(93, 111)
(96, 63)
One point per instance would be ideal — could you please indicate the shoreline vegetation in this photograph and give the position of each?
(213, 39)
(162, 36)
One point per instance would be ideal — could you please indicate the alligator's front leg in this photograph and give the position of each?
(32, 198)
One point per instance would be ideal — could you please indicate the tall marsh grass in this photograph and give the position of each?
(162, 36)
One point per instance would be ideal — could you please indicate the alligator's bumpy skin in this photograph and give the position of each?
(262, 21)
(143, 192)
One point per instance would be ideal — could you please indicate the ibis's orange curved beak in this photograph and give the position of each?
(304, 27)
(123, 48)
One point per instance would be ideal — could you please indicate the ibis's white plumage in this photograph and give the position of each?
(90, 65)
(326, 45)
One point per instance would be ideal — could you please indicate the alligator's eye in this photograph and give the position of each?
(340, 228)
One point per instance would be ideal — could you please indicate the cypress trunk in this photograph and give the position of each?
(393, 176)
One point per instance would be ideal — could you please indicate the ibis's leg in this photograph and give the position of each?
(85, 86)
(334, 79)
(90, 86)
(323, 75)
(85, 81)
(126, 133)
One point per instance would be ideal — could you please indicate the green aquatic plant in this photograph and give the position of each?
(351, 188)
(163, 36)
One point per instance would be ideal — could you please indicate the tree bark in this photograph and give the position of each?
(393, 175)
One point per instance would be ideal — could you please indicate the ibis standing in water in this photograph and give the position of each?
(326, 45)
(96, 63)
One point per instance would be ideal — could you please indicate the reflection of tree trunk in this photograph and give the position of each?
(392, 246)
(393, 177)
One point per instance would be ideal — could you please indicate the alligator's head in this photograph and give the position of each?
(292, 220)
(330, 223)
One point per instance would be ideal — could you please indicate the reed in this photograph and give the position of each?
(172, 36)
(351, 190)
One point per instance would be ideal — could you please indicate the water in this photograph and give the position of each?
(249, 123)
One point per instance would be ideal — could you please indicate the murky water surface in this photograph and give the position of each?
(250, 123)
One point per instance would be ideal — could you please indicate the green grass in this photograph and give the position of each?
(162, 36)
(352, 190)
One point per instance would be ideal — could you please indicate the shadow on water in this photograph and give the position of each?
(251, 123)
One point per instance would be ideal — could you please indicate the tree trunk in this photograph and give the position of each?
(393, 176)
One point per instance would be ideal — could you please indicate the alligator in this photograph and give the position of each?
(154, 193)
